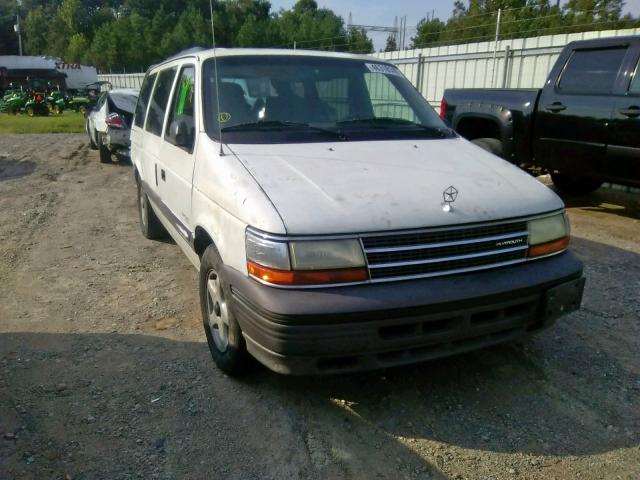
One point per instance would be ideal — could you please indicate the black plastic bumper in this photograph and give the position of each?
(342, 329)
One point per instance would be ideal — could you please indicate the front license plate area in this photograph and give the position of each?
(563, 299)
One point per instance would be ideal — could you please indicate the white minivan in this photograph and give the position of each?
(336, 222)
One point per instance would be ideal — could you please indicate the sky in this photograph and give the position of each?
(382, 12)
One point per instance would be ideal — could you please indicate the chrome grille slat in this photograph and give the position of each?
(444, 252)
(447, 259)
(446, 244)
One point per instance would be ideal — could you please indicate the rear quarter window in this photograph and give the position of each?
(143, 100)
(592, 71)
(159, 100)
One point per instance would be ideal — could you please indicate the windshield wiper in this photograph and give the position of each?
(444, 132)
(278, 124)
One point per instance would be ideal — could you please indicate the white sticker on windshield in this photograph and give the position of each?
(383, 68)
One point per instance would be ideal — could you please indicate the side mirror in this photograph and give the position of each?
(180, 134)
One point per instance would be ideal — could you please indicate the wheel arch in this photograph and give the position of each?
(486, 121)
(201, 240)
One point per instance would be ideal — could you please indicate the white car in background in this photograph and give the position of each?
(108, 124)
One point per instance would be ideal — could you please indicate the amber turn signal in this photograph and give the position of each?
(549, 247)
(307, 277)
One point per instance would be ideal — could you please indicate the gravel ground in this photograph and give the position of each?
(104, 372)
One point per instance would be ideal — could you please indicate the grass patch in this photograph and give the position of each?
(68, 122)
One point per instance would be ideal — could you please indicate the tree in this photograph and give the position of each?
(36, 27)
(77, 49)
(358, 41)
(427, 32)
(391, 45)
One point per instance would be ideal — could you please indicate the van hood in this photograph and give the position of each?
(357, 187)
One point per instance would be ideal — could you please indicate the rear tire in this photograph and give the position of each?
(574, 184)
(105, 154)
(30, 111)
(224, 337)
(150, 226)
(491, 145)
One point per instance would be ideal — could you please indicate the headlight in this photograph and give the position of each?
(319, 255)
(267, 252)
(548, 235)
(308, 262)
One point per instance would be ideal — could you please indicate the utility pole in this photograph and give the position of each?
(17, 28)
(495, 49)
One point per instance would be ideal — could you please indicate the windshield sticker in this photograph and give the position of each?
(224, 117)
(383, 68)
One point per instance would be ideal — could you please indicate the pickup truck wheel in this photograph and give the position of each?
(575, 185)
(491, 145)
(220, 326)
(105, 154)
(149, 223)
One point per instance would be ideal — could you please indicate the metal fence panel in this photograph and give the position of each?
(123, 80)
(518, 63)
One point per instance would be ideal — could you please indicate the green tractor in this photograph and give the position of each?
(56, 101)
(14, 99)
(36, 104)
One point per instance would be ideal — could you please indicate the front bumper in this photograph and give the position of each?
(345, 329)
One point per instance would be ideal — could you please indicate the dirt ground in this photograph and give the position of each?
(105, 374)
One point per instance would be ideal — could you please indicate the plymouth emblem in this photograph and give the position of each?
(449, 196)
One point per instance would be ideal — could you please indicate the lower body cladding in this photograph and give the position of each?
(361, 327)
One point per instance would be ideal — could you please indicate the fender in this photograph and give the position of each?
(500, 116)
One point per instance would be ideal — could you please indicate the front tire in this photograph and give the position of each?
(150, 226)
(92, 144)
(574, 184)
(224, 336)
(105, 154)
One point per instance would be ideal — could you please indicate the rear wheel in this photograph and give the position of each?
(149, 224)
(223, 333)
(30, 111)
(105, 154)
(491, 145)
(575, 184)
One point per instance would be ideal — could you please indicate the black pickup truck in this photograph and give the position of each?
(583, 127)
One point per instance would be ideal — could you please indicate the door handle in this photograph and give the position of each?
(631, 112)
(162, 175)
(555, 107)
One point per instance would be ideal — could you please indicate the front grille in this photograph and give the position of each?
(445, 251)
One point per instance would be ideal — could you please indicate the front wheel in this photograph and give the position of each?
(30, 111)
(574, 184)
(92, 144)
(224, 336)
(105, 154)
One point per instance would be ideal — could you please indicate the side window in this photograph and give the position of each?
(592, 71)
(159, 99)
(181, 122)
(386, 100)
(143, 100)
(634, 88)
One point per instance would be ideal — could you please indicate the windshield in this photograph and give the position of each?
(288, 99)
